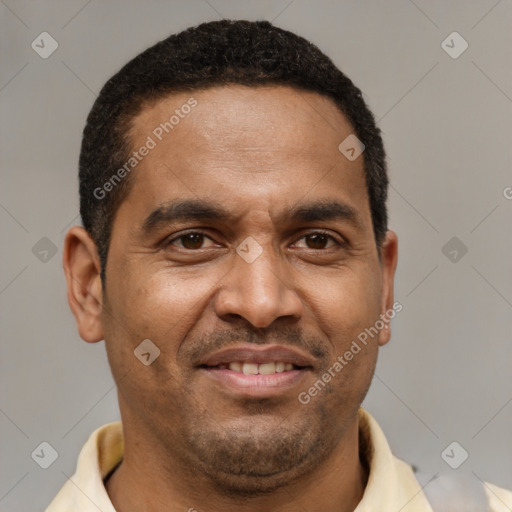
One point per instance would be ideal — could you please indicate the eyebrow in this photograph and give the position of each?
(322, 211)
(200, 210)
(184, 210)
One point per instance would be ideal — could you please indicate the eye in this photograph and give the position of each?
(191, 241)
(318, 240)
(195, 240)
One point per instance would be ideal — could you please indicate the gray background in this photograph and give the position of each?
(445, 376)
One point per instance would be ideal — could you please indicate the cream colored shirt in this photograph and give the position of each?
(391, 487)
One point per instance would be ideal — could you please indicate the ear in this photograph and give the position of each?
(388, 261)
(82, 268)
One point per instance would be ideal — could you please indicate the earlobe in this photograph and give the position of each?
(389, 258)
(84, 287)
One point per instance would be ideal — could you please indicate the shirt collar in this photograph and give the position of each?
(391, 483)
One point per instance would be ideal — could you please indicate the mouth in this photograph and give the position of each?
(247, 368)
(257, 371)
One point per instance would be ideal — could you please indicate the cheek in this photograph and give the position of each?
(345, 302)
(163, 305)
(346, 311)
(353, 309)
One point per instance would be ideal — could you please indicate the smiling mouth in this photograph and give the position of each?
(246, 368)
(252, 371)
(256, 380)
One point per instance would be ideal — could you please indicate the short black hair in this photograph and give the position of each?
(213, 54)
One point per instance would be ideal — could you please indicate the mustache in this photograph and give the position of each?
(200, 346)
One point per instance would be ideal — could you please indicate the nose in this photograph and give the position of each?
(259, 292)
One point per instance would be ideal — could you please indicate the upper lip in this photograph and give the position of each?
(258, 355)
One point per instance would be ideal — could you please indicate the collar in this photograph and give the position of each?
(391, 483)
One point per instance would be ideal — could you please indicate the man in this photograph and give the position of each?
(236, 260)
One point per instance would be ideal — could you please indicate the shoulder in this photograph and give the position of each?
(500, 500)
(85, 491)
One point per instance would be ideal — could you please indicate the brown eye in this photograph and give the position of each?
(191, 241)
(319, 240)
(316, 241)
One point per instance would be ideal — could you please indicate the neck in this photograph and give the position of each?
(146, 480)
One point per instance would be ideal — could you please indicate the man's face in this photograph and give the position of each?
(258, 170)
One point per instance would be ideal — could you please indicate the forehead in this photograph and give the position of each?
(281, 117)
(247, 144)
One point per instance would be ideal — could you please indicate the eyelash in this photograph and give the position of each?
(338, 243)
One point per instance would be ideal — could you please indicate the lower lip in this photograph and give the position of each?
(257, 385)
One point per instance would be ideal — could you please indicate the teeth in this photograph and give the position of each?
(255, 369)
(250, 369)
(236, 367)
(267, 368)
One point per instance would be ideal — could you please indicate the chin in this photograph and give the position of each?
(256, 456)
(245, 486)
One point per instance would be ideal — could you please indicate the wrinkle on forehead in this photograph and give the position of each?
(227, 117)
(256, 148)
